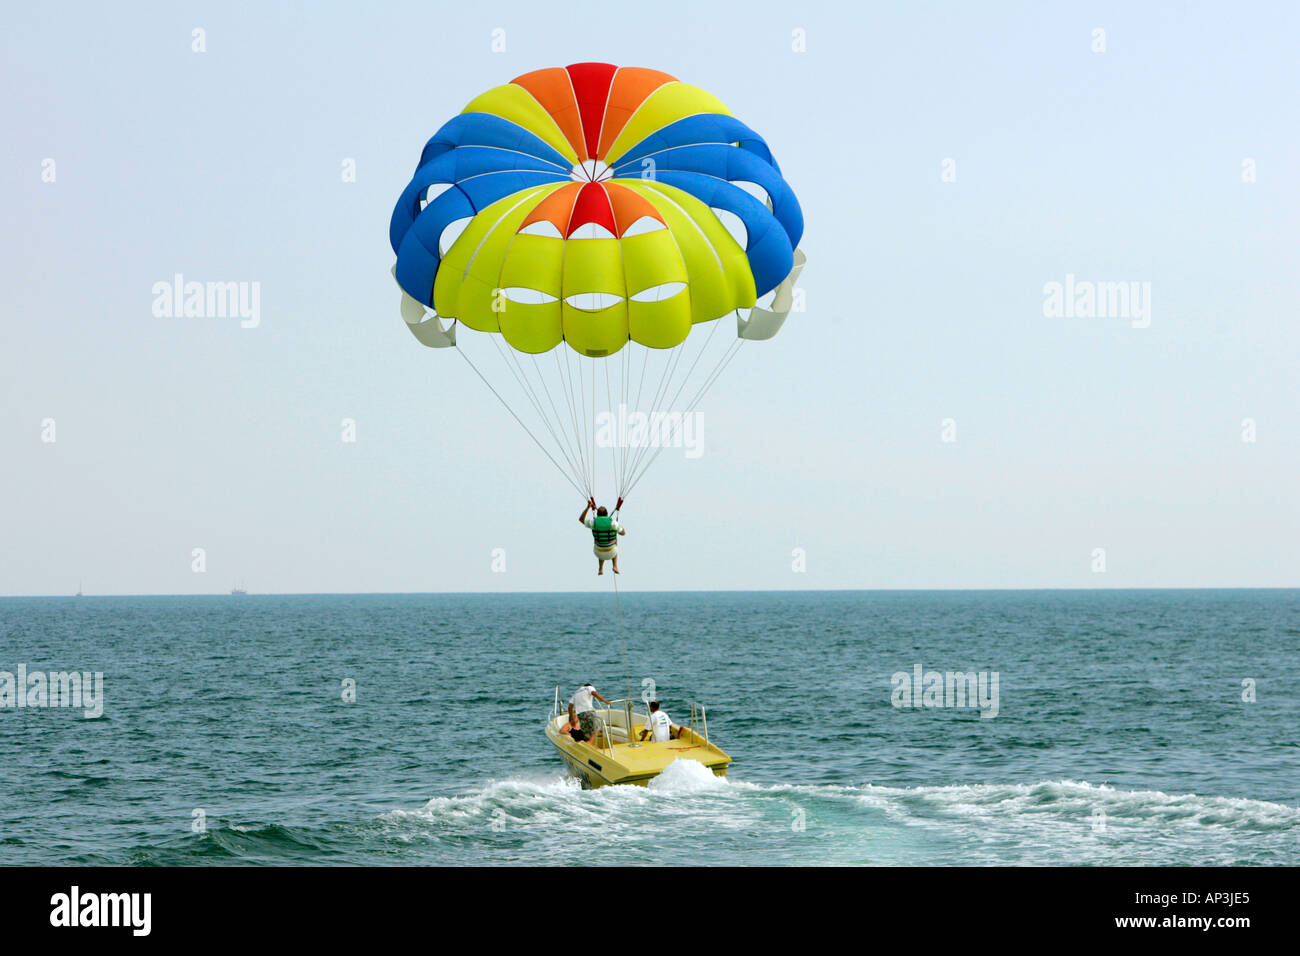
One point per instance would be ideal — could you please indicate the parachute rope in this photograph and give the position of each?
(566, 381)
(627, 371)
(574, 448)
(703, 348)
(628, 456)
(588, 424)
(731, 353)
(507, 407)
(593, 425)
(670, 369)
(551, 401)
(509, 357)
(609, 402)
(627, 671)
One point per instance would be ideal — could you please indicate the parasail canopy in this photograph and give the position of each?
(611, 210)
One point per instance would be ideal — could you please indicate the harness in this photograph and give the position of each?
(602, 530)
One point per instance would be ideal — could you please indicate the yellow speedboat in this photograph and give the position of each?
(619, 757)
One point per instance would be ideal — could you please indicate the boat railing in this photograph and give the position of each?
(699, 724)
(602, 728)
(703, 716)
(626, 707)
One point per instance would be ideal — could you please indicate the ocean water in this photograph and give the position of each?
(1121, 735)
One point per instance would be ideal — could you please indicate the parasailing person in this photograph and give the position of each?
(604, 532)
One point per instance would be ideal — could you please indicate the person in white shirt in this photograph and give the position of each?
(586, 710)
(660, 725)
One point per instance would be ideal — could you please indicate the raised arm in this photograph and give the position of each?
(582, 518)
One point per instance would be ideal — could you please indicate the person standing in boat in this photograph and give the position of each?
(586, 710)
(604, 531)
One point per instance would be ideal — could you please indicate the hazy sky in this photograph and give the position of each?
(925, 302)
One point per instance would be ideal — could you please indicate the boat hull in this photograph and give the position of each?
(632, 763)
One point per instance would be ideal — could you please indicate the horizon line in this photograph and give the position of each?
(1179, 587)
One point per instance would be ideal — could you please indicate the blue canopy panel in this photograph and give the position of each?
(733, 165)
(485, 129)
(693, 130)
(468, 164)
(768, 247)
(418, 256)
(417, 250)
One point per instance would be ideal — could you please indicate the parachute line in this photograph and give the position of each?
(731, 353)
(665, 385)
(575, 426)
(627, 671)
(530, 393)
(566, 383)
(516, 418)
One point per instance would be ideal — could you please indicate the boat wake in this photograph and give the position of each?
(688, 815)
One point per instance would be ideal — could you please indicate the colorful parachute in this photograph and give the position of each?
(600, 207)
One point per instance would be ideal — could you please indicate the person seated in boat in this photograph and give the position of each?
(604, 531)
(660, 725)
(586, 710)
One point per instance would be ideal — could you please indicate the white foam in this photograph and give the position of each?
(1047, 822)
(1072, 798)
(686, 776)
